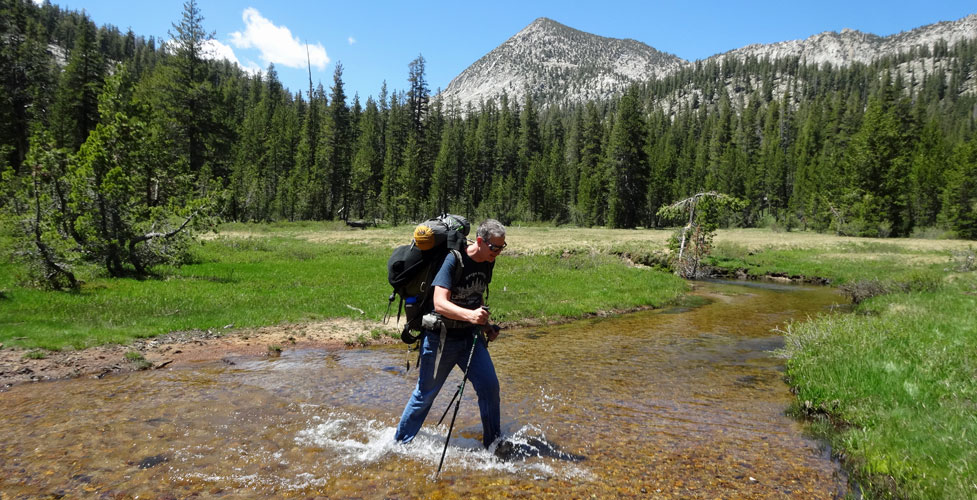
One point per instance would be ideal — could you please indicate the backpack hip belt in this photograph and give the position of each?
(435, 322)
(441, 326)
(453, 324)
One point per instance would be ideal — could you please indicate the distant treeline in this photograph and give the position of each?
(884, 149)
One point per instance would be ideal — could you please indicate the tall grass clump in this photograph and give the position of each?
(920, 280)
(896, 388)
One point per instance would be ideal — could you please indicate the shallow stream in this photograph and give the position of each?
(685, 402)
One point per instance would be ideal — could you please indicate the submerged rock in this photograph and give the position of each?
(509, 451)
(152, 461)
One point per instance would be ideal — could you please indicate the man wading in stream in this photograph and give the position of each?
(459, 308)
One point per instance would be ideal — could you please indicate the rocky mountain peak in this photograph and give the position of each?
(556, 63)
(853, 46)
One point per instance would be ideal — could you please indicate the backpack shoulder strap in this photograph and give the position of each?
(491, 267)
(456, 275)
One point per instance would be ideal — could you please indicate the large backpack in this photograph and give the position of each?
(412, 268)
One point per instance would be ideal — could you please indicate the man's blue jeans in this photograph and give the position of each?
(481, 374)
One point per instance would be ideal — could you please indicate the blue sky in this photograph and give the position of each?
(376, 40)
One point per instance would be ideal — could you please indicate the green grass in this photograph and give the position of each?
(557, 287)
(895, 386)
(282, 229)
(137, 360)
(843, 263)
(271, 280)
(902, 379)
(892, 387)
(244, 282)
(35, 354)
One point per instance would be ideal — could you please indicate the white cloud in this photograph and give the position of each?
(251, 67)
(276, 43)
(216, 51)
(351, 40)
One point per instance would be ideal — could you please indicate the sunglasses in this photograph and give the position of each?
(495, 248)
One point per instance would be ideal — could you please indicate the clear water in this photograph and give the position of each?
(674, 403)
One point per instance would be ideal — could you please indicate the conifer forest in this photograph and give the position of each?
(113, 144)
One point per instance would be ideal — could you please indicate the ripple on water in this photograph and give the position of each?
(673, 404)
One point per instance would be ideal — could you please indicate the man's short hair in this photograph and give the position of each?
(490, 228)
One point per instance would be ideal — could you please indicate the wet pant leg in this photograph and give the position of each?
(486, 384)
(428, 384)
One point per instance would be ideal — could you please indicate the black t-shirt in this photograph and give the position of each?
(471, 285)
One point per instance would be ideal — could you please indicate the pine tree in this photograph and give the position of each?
(478, 180)
(129, 212)
(418, 95)
(571, 157)
(927, 174)
(188, 95)
(720, 141)
(808, 183)
(76, 106)
(413, 196)
(627, 160)
(282, 144)
(504, 194)
(530, 140)
(960, 195)
(558, 198)
(393, 191)
(663, 150)
(532, 173)
(448, 169)
(878, 166)
(773, 163)
(435, 125)
(591, 188)
(303, 175)
(247, 177)
(25, 72)
(367, 168)
(337, 148)
(37, 202)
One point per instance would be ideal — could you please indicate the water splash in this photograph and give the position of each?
(354, 441)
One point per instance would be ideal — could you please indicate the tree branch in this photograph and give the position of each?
(157, 234)
(46, 253)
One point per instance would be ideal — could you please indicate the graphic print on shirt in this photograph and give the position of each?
(468, 293)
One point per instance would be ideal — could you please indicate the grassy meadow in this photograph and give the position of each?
(259, 275)
(892, 386)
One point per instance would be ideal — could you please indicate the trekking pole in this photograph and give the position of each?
(448, 408)
(461, 391)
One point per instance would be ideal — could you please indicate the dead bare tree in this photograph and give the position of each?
(696, 237)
